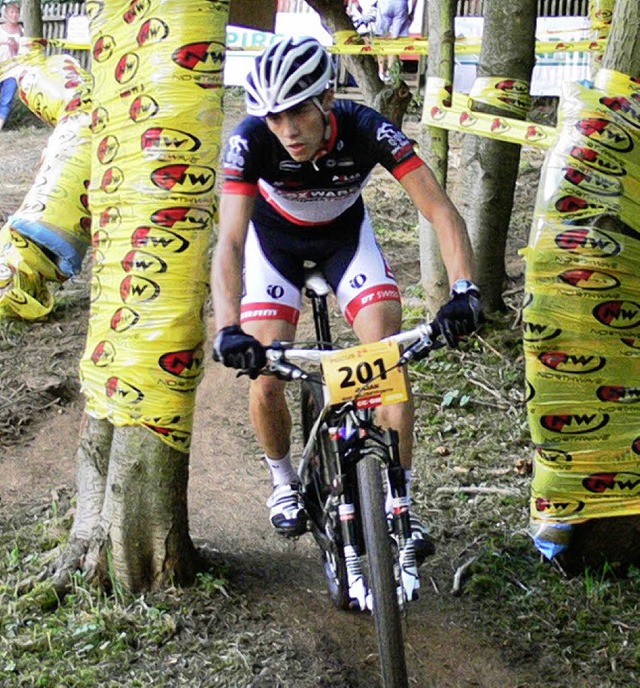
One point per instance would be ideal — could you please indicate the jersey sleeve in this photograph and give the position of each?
(393, 148)
(238, 161)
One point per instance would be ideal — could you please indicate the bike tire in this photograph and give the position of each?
(321, 473)
(381, 578)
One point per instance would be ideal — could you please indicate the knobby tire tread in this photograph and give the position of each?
(382, 580)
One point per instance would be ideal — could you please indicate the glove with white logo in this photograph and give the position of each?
(462, 314)
(237, 349)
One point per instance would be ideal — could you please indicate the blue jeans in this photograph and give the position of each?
(8, 89)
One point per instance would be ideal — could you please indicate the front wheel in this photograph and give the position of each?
(321, 472)
(382, 580)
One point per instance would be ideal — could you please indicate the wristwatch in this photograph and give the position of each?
(464, 286)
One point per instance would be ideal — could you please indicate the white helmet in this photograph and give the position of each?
(287, 73)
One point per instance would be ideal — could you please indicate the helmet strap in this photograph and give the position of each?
(325, 114)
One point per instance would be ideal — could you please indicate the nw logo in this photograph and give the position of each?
(110, 217)
(183, 217)
(553, 456)
(136, 10)
(593, 182)
(625, 483)
(539, 332)
(163, 139)
(185, 364)
(565, 506)
(574, 424)
(623, 107)
(152, 31)
(124, 319)
(186, 179)
(122, 391)
(588, 241)
(103, 48)
(620, 315)
(578, 364)
(104, 354)
(135, 289)
(108, 149)
(204, 58)
(143, 107)
(154, 237)
(570, 204)
(112, 180)
(590, 280)
(127, 68)
(143, 262)
(179, 438)
(606, 133)
(597, 161)
(619, 394)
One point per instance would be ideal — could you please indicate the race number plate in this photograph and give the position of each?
(366, 373)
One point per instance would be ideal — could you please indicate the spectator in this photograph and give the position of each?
(10, 34)
(393, 18)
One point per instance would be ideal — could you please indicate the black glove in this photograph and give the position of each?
(462, 314)
(236, 349)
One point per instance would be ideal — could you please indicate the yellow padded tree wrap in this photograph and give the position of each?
(582, 312)
(156, 137)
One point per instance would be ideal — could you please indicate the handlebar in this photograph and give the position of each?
(281, 355)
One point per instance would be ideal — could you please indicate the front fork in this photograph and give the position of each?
(359, 592)
(409, 578)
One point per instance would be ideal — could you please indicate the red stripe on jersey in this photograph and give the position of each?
(381, 292)
(407, 166)
(268, 311)
(239, 188)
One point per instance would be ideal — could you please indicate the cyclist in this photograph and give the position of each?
(293, 171)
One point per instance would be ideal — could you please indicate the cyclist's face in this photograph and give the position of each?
(300, 129)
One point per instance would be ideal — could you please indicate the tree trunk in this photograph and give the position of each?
(391, 100)
(491, 167)
(144, 356)
(623, 47)
(613, 542)
(434, 142)
(31, 17)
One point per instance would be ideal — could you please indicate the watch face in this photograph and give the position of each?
(462, 286)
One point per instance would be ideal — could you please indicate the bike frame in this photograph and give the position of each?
(352, 513)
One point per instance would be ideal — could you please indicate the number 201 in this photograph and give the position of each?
(364, 373)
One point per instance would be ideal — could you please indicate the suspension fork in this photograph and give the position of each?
(358, 589)
(409, 577)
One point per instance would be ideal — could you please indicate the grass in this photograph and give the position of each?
(205, 635)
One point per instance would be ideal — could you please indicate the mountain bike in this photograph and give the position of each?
(348, 463)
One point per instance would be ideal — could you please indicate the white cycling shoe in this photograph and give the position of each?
(285, 510)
